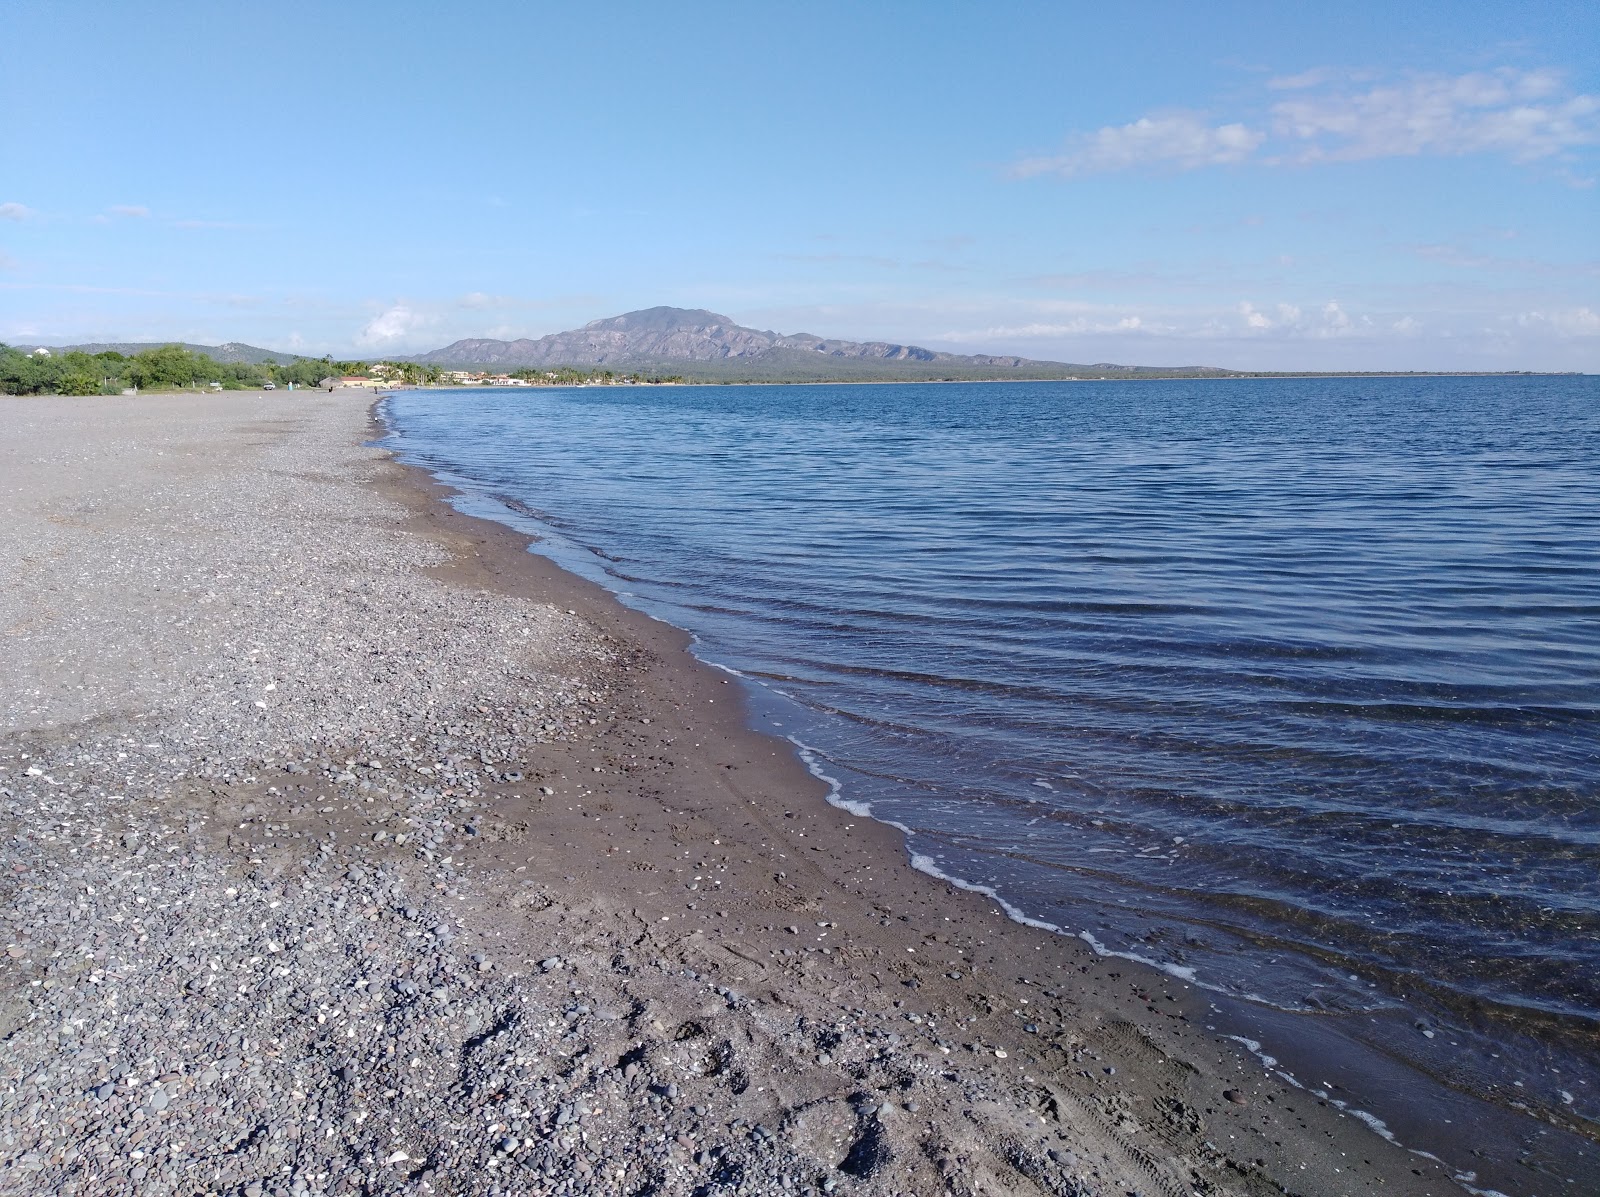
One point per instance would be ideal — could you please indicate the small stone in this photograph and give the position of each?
(159, 1100)
(1236, 1097)
(550, 963)
(508, 1144)
(105, 1090)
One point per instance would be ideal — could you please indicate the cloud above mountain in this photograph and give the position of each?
(390, 327)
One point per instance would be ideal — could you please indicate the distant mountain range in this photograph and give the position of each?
(233, 351)
(702, 346)
(695, 343)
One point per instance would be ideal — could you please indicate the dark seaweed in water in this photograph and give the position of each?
(1293, 684)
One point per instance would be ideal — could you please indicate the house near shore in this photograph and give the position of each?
(361, 380)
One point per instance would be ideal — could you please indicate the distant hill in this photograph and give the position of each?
(233, 351)
(695, 343)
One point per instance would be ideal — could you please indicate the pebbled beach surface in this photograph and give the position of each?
(348, 848)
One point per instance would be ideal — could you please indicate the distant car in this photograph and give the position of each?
(216, 386)
(269, 386)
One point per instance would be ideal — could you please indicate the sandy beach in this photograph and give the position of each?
(348, 847)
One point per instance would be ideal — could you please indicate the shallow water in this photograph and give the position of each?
(1289, 686)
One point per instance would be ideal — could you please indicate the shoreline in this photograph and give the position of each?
(549, 913)
(850, 382)
(1333, 1058)
(1303, 1052)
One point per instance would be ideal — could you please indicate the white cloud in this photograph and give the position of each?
(388, 327)
(1246, 320)
(138, 211)
(1290, 320)
(1568, 322)
(1524, 115)
(475, 301)
(1042, 330)
(1182, 141)
(14, 211)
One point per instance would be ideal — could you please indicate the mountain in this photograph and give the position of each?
(233, 351)
(693, 342)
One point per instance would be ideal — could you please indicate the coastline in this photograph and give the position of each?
(562, 893)
(850, 382)
(1359, 1062)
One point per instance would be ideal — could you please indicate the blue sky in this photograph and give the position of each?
(1362, 186)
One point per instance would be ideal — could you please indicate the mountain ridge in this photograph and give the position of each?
(229, 351)
(703, 342)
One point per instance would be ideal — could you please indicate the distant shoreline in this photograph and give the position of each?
(834, 382)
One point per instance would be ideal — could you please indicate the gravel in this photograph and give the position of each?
(243, 731)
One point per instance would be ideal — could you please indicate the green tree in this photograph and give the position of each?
(78, 384)
(168, 366)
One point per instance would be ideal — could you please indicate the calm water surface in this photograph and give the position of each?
(1289, 686)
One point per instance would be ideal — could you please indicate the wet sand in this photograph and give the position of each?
(588, 932)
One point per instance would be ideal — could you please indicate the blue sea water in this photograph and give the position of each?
(1288, 686)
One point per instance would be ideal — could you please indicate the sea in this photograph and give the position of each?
(1289, 688)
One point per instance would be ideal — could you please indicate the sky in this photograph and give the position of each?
(1363, 186)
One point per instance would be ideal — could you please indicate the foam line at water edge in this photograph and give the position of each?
(836, 797)
(925, 864)
(1371, 1121)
